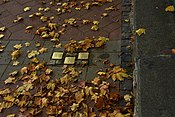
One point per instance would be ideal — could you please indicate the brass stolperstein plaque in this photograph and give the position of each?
(57, 55)
(69, 60)
(83, 55)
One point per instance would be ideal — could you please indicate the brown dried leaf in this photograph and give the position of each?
(100, 103)
(96, 81)
(79, 96)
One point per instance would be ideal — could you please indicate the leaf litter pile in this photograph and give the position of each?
(37, 92)
(34, 90)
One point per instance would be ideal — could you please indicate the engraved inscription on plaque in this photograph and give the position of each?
(83, 55)
(69, 60)
(57, 55)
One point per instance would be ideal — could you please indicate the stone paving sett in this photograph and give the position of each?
(110, 26)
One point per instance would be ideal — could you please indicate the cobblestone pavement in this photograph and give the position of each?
(110, 26)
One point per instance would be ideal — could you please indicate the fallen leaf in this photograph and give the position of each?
(87, 5)
(104, 14)
(27, 9)
(95, 28)
(114, 96)
(170, 8)
(24, 70)
(34, 60)
(2, 48)
(51, 86)
(43, 18)
(1, 36)
(71, 21)
(15, 63)
(27, 44)
(100, 103)
(47, 9)
(48, 71)
(96, 22)
(18, 46)
(41, 9)
(116, 113)
(79, 96)
(11, 115)
(29, 27)
(5, 91)
(140, 31)
(86, 21)
(44, 102)
(109, 8)
(38, 44)
(10, 80)
(127, 97)
(103, 39)
(18, 19)
(13, 73)
(32, 53)
(2, 28)
(9, 98)
(96, 81)
(42, 50)
(53, 26)
(101, 73)
(15, 54)
(26, 87)
(74, 107)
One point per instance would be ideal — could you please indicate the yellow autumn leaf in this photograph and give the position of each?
(127, 97)
(18, 46)
(29, 27)
(170, 8)
(15, 63)
(2, 28)
(1, 36)
(15, 54)
(11, 115)
(74, 107)
(5, 91)
(96, 22)
(27, 44)
(101, 73)
(27, 9)
(140, 31)
(95, 28)
(9, 98)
